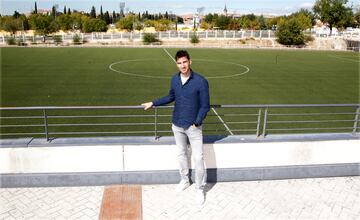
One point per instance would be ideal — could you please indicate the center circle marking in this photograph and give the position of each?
(111, 67)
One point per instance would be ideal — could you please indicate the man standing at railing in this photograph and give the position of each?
(190, 91)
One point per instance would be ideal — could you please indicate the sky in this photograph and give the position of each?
(269, 7)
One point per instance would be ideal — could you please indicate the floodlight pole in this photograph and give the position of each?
(122, 6)
(199, 13)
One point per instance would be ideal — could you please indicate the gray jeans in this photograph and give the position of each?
(192, 135)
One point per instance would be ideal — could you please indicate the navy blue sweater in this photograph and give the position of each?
(192, 101)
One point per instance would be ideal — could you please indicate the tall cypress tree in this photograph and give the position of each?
(93, 12)
(65, 9)
(35, 10)
(101, 13)
(53, 11)
(107, 18)
(114, 17)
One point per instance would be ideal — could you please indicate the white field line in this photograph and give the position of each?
(343, 58)
(227, 128)
(169, 55)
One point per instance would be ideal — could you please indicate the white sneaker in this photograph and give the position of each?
(200, 197)
(182, 186)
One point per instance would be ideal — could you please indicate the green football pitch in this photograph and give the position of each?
(131, 76)
(81, 76)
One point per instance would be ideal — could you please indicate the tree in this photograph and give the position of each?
(24, 22)
(35, 8)
(272, 22)
(222, 22)
(93, 12)
(94, 25)
(180, 20)
(69, 11)
(251, 17)
(77, 20)
(113, 17)
(11, 24)
(334, 13)
(42, 24)
(290, 32)
(310, 15)
(16, 14)
(138, 25)
(163, 25)
(65, 10)
(357, 18)
(53, 11)
(262, 22)
(244, 22)
(208, 18)
(101, 13)
(306, 18)
(207, 26)
(235, 24)
(107, 18)
(65, 22)
(127, 22)
(254, 25)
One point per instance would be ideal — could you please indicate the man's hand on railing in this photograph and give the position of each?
(147, 105)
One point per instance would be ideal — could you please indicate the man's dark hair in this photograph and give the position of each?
(182, 53)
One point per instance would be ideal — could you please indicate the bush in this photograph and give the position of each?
(309, 38)
(57, 39)
(20, 42)
(149, 38)
(76, 39)
(194, 39)
(290, 32)
(11, 41)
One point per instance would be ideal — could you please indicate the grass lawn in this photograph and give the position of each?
(82, 77)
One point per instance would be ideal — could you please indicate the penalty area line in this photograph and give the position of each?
(169, 55)
(227, 128)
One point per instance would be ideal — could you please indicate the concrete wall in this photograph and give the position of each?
(156, 157)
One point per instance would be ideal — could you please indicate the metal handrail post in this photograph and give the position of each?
(46, 126)
(356, 120)
(265, 118)
(258, 124)
(156, 136)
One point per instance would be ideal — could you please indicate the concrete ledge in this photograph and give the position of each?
(113, 160)
(100, 158)
(172, 176)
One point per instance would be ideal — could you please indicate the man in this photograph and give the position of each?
(190, 91)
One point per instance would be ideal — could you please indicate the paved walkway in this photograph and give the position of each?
(323, 198)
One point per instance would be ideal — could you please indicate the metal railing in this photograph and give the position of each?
(259, 120)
